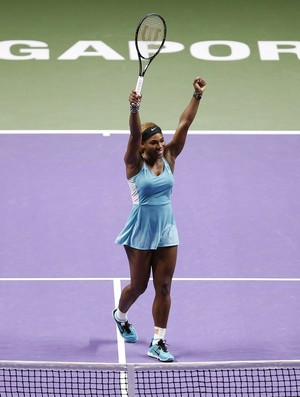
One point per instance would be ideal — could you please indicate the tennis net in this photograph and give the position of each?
(263, 379)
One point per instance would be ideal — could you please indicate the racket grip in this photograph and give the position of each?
(139, 85)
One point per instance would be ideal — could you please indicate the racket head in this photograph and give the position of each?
(150, 36)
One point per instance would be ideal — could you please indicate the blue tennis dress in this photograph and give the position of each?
(151, 222)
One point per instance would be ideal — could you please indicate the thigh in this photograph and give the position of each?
(163, 264)
(139, 264)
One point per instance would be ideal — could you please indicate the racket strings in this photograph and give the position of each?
(150, 36)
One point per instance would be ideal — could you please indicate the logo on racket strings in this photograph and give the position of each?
(150, 33)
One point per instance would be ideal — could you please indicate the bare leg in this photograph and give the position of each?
(163, 265)
(140, 268)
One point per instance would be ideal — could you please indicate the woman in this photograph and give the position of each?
(150, 235)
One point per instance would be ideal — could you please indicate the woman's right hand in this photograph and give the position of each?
(134, 98)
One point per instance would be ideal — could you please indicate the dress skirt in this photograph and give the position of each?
(149, 227)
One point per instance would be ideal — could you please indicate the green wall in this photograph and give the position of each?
(91, 93)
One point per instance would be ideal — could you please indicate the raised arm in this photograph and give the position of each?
(177, 143)
(132, 156)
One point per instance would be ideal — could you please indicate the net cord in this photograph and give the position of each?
(149, 367)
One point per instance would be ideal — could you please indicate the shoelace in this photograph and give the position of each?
(126, 327)
(162, 345)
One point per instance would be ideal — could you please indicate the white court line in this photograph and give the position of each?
(119, 279)
(62, 278)
(167, 132)
(120, 340)
(283, 279)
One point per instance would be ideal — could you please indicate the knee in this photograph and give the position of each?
(139, 289)
(163, 288)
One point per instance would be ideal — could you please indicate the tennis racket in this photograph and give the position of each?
(149, 39)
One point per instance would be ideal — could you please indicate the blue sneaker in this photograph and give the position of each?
(126, 330)
(160, 351)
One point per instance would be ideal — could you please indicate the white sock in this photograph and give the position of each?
(159, 333)
(120, 316)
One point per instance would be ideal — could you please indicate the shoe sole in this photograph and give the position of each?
(170, 360)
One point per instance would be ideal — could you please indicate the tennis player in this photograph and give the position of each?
(150, 236)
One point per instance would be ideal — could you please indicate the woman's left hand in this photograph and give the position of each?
(199, 85)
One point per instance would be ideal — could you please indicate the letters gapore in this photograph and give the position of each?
(22, 50)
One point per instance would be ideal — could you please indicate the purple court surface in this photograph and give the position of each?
(235, 296)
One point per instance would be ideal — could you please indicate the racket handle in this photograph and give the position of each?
(139, 85)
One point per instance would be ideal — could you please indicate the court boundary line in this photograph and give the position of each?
(107, 133)
(119, 279)
(120, 341)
